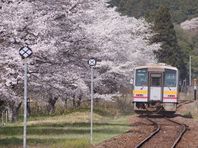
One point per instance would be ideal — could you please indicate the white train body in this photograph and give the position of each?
(155, 88)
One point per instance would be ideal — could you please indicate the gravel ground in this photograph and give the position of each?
(141, 128)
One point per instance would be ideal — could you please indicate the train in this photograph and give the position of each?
(155, 88)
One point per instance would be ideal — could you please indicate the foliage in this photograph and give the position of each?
(188, 40)
(180, 10)
(194, 54)
(170, 52)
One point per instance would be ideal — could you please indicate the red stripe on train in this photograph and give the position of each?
(140, 97)
(169, 98)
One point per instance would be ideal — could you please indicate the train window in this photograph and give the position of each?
(155, 81)
(170, 78)
(141, 77)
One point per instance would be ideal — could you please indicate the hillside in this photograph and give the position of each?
(181, 10)
(184, 15)
(190, 25)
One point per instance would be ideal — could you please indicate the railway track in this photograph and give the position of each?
(183, 102)
(183, 130)
(156, 130)
(158, 126)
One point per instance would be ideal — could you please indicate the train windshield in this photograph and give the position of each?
(141, 77)
(170, 78)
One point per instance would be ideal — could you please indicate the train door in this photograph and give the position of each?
(155, 88)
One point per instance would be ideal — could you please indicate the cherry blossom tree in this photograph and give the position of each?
(55, 37)
(63, 36)
(123, 44)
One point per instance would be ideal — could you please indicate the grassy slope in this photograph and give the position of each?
(71, 130)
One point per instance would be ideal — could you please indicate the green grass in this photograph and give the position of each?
(71, 130)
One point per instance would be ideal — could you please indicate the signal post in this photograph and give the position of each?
(92, 62)
(195, 88)
(25, 52)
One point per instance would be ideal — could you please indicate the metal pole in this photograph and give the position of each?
(91, 130)
(195, 88)
(2, 118)
(195, 94)
(25, 106)
(190, 71)
(6, 116)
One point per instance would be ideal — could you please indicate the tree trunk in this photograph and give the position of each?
(13, 111)
(79, 101)
(9, 113)
(66, 103)
(28, 107)
(74, 103)
(51, 104)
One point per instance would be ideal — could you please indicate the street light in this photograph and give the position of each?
(25, 52)
(92, 62)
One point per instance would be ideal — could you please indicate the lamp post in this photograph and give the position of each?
(92, 62)
(25, 52)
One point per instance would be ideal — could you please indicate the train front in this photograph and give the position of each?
(155, 88)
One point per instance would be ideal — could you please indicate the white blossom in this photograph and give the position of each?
(63, 36)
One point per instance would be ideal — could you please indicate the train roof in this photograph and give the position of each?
(159, 66)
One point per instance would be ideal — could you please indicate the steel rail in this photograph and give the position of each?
(151, 135)
(183, 103)
(184, 129)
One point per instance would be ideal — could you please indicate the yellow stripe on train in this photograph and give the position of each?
(144, 92)
(170, 92)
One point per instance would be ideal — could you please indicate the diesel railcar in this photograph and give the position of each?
(155, 88)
